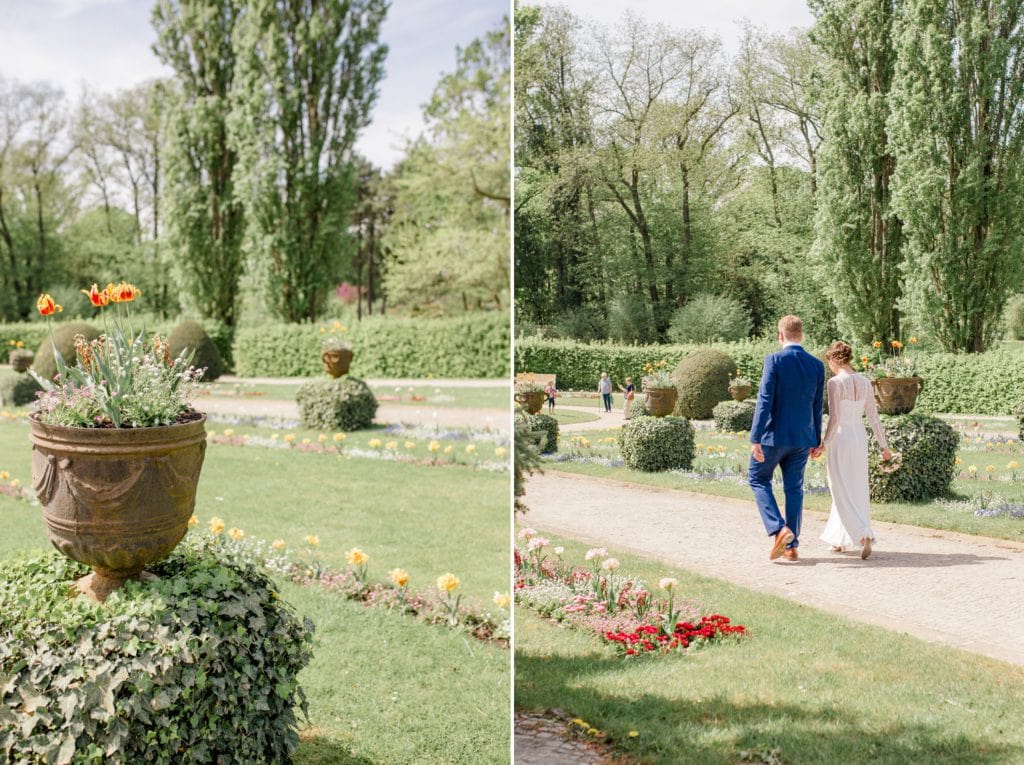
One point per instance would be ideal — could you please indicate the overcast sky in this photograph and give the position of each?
(106, 43)
(719, 17)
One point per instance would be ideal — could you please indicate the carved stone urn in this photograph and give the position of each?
(337, 362)
(116, 499)
(897, 395)
(661, 401)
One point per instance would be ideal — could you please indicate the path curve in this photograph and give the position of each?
(940, 586)
(446, 382)
(449, 417)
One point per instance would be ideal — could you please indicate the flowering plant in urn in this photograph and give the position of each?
(117, 447)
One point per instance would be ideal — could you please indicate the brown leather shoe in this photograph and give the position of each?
(791, 554)
(783, 538)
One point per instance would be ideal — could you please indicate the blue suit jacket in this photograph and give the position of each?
(789, 400)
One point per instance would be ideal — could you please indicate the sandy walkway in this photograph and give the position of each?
(939, 586)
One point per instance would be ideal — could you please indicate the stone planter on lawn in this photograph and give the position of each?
(336, 363)
(661, 401)
(897, 395)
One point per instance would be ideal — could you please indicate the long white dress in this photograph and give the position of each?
(850, 397)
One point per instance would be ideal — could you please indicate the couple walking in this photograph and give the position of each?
(787, 430)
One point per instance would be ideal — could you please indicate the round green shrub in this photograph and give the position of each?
(1019, 413)
(64, 337)
(190, 336)
(638, 407)
(928, 446)
(346, 403)
(18, 390)
(548, 427)
(653, 444)
(199, 666)
(708, 319)
(734, 416)
(702, 379)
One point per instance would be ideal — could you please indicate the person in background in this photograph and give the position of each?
(629, 392)
(551, 392)
(604, 387)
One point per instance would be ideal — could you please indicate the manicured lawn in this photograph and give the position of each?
(376, 676)
(567, 416)
(819, 688)
(728, 453)
(496, 397)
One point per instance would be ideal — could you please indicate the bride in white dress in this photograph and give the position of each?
(850, 397)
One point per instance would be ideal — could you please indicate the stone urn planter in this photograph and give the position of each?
(21, 360)
(531, 401)
(897, 395)
(740, 392)
(661, 401)
(336, 363)
(116, 499)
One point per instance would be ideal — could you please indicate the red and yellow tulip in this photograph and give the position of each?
(97, 297)
(46, 305)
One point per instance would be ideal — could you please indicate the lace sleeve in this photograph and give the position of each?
(834, 402)
(871, 410)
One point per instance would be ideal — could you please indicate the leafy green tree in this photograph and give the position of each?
(448, 241)
(859, 236)
(710, 318)
(202, 206)
(306, 82)
(958, 132)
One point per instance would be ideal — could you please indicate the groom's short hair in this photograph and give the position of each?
(791, 327)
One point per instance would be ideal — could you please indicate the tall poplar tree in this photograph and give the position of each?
(858, 236)
(306, 82)
(957, 126)
(205, 216)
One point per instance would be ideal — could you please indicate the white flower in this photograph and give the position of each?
(559, 550)
(597, 552)
(527, 533)
(537, 543)
(668, 583)
(610, 564)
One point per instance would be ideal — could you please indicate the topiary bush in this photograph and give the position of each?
(653, 444)
(199, 666)
(710, 318)
(546, 424)
(928, 446)
(702, 379)
(64, 337)
(734, 416)
(189, 336)
(346, 403)
(18, 390)
(1019, 413)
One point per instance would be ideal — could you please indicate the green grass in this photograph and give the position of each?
(736, 455)
(820, 688)
(567, 416)
(432, 396)
(428, 520)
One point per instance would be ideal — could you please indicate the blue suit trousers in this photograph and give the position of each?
(791, 460)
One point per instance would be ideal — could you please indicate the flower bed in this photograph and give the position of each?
(620, 609)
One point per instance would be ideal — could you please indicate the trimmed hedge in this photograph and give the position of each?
(345, 403)
(190, 336)
(734, 416)
(987, 383)
(702, 380)
(929, 447)
(199, 666)
(18, 389)
(1020, 422)
(546, 424)
(654, 444)
(45, 363)
(474, 346)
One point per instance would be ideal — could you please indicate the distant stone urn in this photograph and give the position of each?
(116, 499)
(337, 362)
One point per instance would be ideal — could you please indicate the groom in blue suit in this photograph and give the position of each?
(786, 430)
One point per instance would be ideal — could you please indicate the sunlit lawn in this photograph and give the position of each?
(815, 687)
(490, 397)
(375, 675)
(569, 416)
(729, 453)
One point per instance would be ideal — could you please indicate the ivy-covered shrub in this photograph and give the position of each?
(653, 444)
(734, 416)
(64, 337)
(475, 346)
(18, 390)
(346, 403)
(189, 336)
(546, 424)
(197, 667)
(928, 446)
(702, 379)
(638, 407)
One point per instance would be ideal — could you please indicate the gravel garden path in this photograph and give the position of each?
(965, 591)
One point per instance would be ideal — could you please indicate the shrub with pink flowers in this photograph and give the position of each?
(614, 605)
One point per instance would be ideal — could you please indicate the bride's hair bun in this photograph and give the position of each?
(839, 352)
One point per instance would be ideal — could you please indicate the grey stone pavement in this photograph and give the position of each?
(543, 739)
(964, 591)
